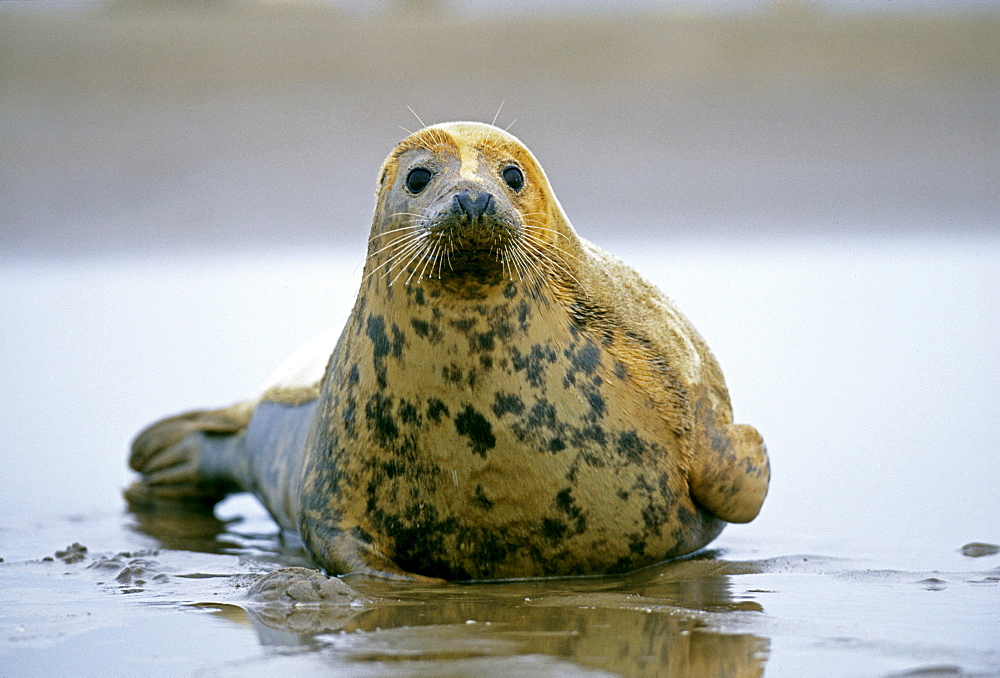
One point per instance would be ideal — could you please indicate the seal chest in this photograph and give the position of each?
(505, 400)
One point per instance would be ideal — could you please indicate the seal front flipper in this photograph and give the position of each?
(184, 458)
(730, 471)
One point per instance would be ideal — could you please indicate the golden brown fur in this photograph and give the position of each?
(506, 399)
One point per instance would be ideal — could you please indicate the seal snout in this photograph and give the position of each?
(474, 204)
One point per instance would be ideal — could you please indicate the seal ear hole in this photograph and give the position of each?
(417, 179)
(513, 177)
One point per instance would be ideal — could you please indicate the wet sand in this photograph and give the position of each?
(185, 200)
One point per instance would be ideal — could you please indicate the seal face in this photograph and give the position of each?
(505, 400)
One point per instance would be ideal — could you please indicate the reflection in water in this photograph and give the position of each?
(191, 528)
(623, 632)
(660, 621)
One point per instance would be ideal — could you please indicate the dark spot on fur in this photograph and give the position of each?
(567, 504)
(587, 358)
(510, 290)
(407, 413)
(654, 516)
(553, 530)
(620, 370)
(452, 373)
(480, 499)
(348, 416)
(393, 468)
(353, 377)
(376, 332)
(571, 473)
(492, 550)
(464, 325)
(378, 412)
(623, 495)
(592, 433)
(421, 327)
(380, 346)
(631, 446)
(507, 404)
(542, 414)
(523, 313)
(596, 401)
(637, 546)
(436, 408)
(486, 362)
(688, 519)
(398, 341)
(476, 427)
(556, 445)
(418, 296)
(499, 325)
(418, 539)
(532, 364)
(481, 341)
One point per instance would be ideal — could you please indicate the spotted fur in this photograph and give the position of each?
(506, 399)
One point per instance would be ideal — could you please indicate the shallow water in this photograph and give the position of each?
(869, 366)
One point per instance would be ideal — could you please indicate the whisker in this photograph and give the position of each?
(399, 242)
(402, 254)
(417, 117)
(543, 243)
(428, 256)
(498, 112)
(403, 267)
(408, 227)
(543, 251)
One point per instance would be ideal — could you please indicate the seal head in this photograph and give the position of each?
(449, 209)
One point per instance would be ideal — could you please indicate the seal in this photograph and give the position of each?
(505, 400)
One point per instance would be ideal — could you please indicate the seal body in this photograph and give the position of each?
(505, 400)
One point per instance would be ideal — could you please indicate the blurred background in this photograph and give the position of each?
(202, 125)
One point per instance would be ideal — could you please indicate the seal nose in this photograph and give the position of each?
(473, 203)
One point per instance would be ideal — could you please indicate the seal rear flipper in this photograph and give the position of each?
(730, 473)
(186, 458)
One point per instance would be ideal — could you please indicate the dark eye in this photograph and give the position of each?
(417, 179)
(513, 177)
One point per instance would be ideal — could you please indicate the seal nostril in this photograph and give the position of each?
(474, 204)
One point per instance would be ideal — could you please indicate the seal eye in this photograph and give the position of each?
(417, 179)
(513, 177)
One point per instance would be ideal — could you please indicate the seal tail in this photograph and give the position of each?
(175, 456)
